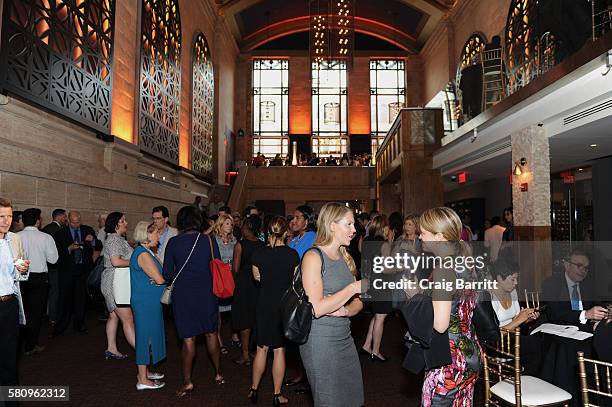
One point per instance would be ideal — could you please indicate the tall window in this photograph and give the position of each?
(58, 54)
(203, 102)
(329, 111)
(387, 96)
(160, 79)
(271, 107)
(520, 44)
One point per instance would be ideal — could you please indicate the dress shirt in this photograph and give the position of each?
(570, 287)
(39, 248)
(163, 236)
(7, 269)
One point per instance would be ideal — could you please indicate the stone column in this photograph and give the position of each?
(531, 205)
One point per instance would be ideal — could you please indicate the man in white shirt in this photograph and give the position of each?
(40, 249)
(493, 238)
(161, 218)
(11, 308)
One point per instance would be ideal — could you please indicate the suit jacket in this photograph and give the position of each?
(51, 228)
(560, 312)
(161, 250)
(63, 239)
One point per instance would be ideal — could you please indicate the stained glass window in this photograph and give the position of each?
(58, 54)
(470, 55)
(271, 107)
(329, 108)
(387, 96)
(160, 79)
(203, 103)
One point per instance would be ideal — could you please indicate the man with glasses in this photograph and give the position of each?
(161, 216)
(575, 304)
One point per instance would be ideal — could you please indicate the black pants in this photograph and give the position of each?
(9, 341)
(34, 292)
(72, 300)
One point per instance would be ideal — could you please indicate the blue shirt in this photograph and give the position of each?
(301, 244)
(7, 268)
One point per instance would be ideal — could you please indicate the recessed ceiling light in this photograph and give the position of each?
(579, 169)
(593, 145)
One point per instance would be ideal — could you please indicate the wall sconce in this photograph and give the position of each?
(518, 166)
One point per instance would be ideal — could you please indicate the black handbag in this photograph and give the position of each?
(484, 318)
(296, 310)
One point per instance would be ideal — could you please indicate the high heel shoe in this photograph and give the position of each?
(276, 400)
(376, 358)
(184, 391)
(252, 395)
(110, 355)
(156, 385)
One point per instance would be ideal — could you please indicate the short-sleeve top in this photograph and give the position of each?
(301, 244)
(115, 245)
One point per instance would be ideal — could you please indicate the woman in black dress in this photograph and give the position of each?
(273, 267)
(377, 243)
(245, 293)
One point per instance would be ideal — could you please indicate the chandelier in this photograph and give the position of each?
(332, 31)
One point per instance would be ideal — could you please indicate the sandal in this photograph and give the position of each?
(242, 362)
(219, 381)
(184, 391)
(224, 350)
(279, 400)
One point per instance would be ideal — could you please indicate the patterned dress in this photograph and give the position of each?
(453, 385)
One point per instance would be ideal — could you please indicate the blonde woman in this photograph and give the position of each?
(329, 356)
(453, 383)
(273, 267)
(147, 287)
(223, 232)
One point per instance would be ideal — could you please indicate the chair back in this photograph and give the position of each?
(532, 299)
(599, 373)
(502, 361)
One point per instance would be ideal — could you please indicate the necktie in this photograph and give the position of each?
(575, 298)
(77, 254)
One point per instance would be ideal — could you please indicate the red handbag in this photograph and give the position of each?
(223, 280)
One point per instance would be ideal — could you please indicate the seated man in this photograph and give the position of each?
(576, 302)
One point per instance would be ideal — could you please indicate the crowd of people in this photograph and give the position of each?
(312, 160)
(47, 270)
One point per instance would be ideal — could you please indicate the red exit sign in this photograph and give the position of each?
(462, 177)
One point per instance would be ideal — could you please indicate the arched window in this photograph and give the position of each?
(160, 79)
(203, 104)
(58, 54)
(520, 44)
(470, 54)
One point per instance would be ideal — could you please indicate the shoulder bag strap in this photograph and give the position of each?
(212, 250)
(186, 261)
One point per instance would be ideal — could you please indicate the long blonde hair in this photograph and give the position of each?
(333, 212)
(446, 221)
(219, 224)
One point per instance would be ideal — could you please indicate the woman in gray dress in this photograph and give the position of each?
(330, 356)
(117, 253)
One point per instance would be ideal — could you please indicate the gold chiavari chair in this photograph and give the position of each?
(603, 390)
(532, 299)
(504, 383)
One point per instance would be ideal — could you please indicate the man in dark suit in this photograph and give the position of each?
(60, 219)
(576, 304)
(571, 301)
(76, 245)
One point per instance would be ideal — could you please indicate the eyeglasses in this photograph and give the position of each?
(584, 267)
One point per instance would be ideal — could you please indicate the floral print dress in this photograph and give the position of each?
(453, 385)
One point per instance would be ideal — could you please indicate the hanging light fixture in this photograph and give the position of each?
(332, 31)
(267, 109)
(331, 113)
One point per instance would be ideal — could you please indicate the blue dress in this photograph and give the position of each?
(147, 310)
(195, 307)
